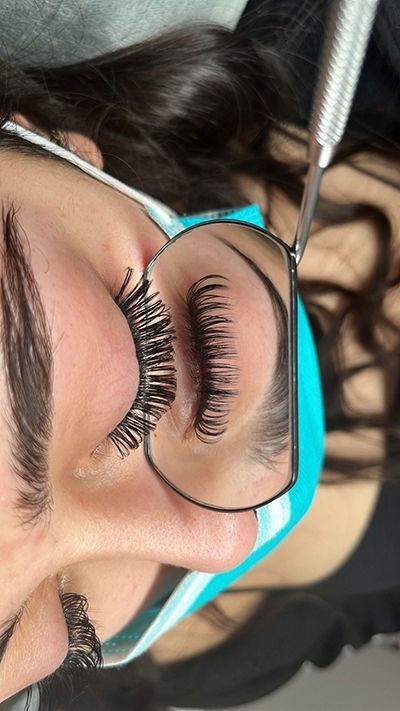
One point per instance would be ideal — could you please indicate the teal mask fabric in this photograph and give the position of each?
(275, 520)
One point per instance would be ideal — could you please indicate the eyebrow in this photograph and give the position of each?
(28, 365)
(27, 353)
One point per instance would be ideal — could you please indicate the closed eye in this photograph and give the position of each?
(83, 657)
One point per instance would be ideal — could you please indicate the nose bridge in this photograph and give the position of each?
(98, 506)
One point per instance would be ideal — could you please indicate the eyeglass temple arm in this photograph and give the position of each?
(349, 28)
(136, 195)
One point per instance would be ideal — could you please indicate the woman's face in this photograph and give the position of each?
(113, 529)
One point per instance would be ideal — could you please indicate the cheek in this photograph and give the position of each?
(96, 373)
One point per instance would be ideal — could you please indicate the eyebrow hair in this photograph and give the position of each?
(28, 366)
(272, 432)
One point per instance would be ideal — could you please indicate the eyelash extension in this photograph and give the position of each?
(153, 334)
(211, 348)
(83, 659)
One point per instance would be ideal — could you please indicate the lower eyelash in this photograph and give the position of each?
(153, 334)
(212, 348)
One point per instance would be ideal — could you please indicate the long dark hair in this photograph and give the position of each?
(183, 117)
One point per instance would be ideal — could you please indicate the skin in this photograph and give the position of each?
(117, 533)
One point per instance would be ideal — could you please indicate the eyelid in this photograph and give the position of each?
(14, 626)
(9, 631)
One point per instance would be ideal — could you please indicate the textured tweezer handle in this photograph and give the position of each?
(348, 32)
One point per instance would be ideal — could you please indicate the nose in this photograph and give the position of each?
(125, 510)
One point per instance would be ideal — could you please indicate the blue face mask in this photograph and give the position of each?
(275, 520)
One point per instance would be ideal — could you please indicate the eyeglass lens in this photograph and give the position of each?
(226, 440)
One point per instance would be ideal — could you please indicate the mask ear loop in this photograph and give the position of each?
(349, 28)
(163, 212)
